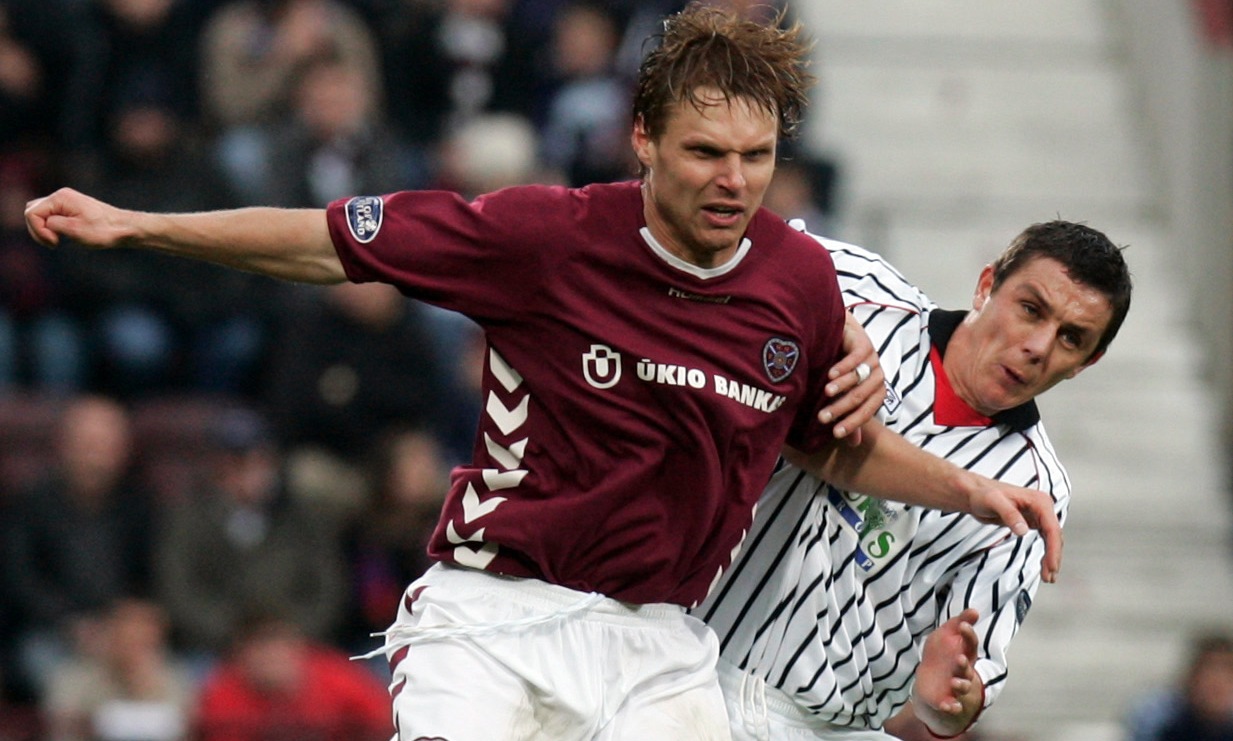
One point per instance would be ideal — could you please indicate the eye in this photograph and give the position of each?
(1071, 339)
(1030, 309)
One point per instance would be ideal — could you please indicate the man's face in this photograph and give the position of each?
(706, 175)
(1038, 328)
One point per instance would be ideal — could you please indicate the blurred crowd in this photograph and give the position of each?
(186, 105)
(214, 486)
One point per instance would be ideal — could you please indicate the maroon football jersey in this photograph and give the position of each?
(634, 405)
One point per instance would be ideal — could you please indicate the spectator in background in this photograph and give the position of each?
(643, 18)
(137, 44)
(387, 548)
(157, 323)
(448, 62)
(46, 69)
(242, 544)
(335, 141)
(585, 134)
(278, 684)
(1200, 707)
(78, 540)
(41, 346)
(344, 372)
(489, 152)
(252, 53)
(804, 188)
(23, 88)
(128, 687)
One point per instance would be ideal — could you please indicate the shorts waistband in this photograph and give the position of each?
(756, 697)
(538, 593)
(735, 682)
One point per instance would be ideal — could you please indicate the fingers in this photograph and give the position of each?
(966, 628)
(36, 223)
(951, 705)
(857, 402)
(1026, 509)
(1038, 508)
(1051, 530)
(857, 383)
(857, 349)
(849, 381)
(853, 409)
(846, 367)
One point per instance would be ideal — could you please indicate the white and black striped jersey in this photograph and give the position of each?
(834, 592)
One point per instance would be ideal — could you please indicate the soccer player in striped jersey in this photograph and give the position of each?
(841, 608)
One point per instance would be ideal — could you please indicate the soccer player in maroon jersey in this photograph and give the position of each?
(653, 345)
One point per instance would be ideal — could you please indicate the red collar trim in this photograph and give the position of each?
(948, 408)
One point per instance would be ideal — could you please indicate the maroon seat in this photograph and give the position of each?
(20, 723)
(171, 436)
(27, 438)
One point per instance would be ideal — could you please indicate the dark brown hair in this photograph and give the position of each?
(704, 46)
(1088, 257)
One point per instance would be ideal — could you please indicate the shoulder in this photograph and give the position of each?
(797, 257)
(1053, 475)
(867, 277)
(557, 208)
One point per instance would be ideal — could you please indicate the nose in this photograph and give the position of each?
(732, 173)
(1038, 340)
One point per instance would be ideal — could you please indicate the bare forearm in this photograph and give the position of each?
(886, 466)
(292, 244)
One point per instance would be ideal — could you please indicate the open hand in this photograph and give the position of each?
(857, 384)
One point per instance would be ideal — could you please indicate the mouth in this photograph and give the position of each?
(1015, 377)
(723, 215)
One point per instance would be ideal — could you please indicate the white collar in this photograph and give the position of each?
(688, 267)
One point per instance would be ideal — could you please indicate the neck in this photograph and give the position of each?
(701, 256)
(955, 364)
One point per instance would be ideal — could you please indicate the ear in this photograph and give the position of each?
(984, 288)
(640, 139)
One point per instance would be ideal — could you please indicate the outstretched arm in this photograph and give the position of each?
(886, 466)
(292, 244)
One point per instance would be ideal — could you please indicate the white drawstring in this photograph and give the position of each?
(753, 706)
(400, 636)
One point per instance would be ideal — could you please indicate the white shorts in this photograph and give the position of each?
(480, 657)
(761, 713)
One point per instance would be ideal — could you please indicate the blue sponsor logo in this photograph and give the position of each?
(882, 529)
(364, 214)
(853, 519)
